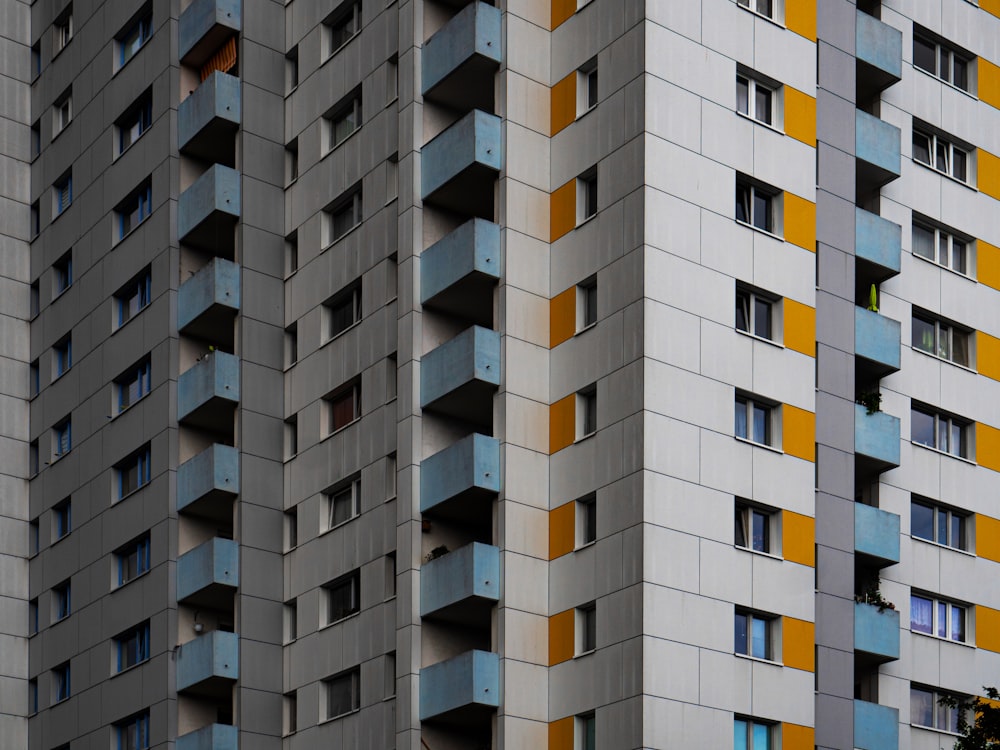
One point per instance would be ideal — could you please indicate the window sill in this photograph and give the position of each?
(755, 337)
(56, 216)
(119, 326)
(947, 83)
(119, 66)
(338, 334)
(763, 124)
(127, 495)
(752, 551)
(341, 620)
(586, 220)
(120, 586)
(338, 716)
(759, 445)
(757, 659)
(947, 176)
(334, 53)
(61, 130)
(770, 20)
(119, 153)
(934, 729)
(335, 240)
(131, 231)
(129, 669)
(580, 115)
(329, 435)
(585, 328)
(585, 545)
(127, 408)
(59, 457)
(932, 543)
(943, 267)
(286, 459)
(583, 654)
(944, 361)
(62, 291)
(943, 453)
(584, 437)
(337, 526)
(963, 644)
(54, 542)
(759, 230)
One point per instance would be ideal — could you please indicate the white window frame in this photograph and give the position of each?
(586, 520)
(937, 711)
(586, 196)
(348, 16)
(965, 438)
(350, 297)
(944, 331)
(946, 241)
(744, 515)
(349, 205)
(586, 411)
(951, 517)
(752, 84)
(753, 6)
(354, 686)
(934, 141)
(947, 54)
(351, 492)
(291, 437)
(753, 297)
(62, 114)
(342, 113)
(772, 207)
(62, 32)
(937, 604)
(585, 616)
(581, 736)
(586, 75)
(772, 639)
(771, 429)
(352, 583)
(586, 304)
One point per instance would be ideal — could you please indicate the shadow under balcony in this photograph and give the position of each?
(208, 483)
(204, 26)
(208, 210)
(461, 481)
(460, 166)
(461, 586)
(460, 60)
(208, 119)
(208, 392)
(209, 664)
(459, 272)
(209, 300)
(208, 575)
(461, 690)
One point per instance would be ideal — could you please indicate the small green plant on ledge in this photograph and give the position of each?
(871, 400)
(873, 596)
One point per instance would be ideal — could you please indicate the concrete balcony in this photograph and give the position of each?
(876, 146)
(212, 737)
(460, 60)
(460, 376)
(876, 339)
(462, 478)
(878, 243)
(208, 301)
(875, 727)
(209, 574)
(879, 51)
(204, 26)
(461, 586)
(459, 272)
(876, 441)
(460, 166)
(208, 211)
(462, 689)
(876, 534)
(207, 393)
(876, 634)
(207, 483)
(207, 120)
(209, 664)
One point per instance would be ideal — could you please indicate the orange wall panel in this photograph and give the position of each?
(987, 628)
(562, 423)
(561, 734)
(798, 538)
(561, 640)
(988, 264)
(991, 6)
(988, 538)
(799, 327)
(562, 10)
(800, 116)
(989, 82)
(987, 446)
(796, 737)
(988, 355)
(562, 530)
(800, 222)
(798, 432)
(800, 17)
(989, 173)
(563, 110)
(562, 317)
(562, 210)
(798, 643)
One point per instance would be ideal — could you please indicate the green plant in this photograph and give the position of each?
(871, 400)
(873, 596)
(873, 299)
(983, 733)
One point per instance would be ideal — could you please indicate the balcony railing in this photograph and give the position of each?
(459, 377)
(876, 338)
(458, 63)
(876, 145)
(460, 166)
(454, 481)
(209, 118)
(459, 272)
(876, 439)
(876, 727)
(461, 586)
(879, 54)
(461, 688)
(876, 634)
(209, 574)
(207, 393)
(212, 737)
(878, 242)
(207, 302)
(208, 210)
(876, 534)
(204, 25)
(209, 664)
(207, 483)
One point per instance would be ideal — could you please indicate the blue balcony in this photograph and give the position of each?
(212, 737)
(460, 376)
(878, 243)
(876, 338)
(208, 301)
(875, 727)
(455, 481)
(207, 120)
(207, 393)
(209, 664)
(461, 586)
(207, 483)
(460, 689)
(876, 534)
(208, 210)
(460, 60)
(204, 26)
(460, 166)
(876, 634)
(459, 272)
(209, 574)
(876, 145)
(876, 441)
(879, 51)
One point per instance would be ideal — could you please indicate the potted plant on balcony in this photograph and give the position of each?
(873, 596)
(871, 400)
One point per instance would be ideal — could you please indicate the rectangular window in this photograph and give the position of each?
(291, 436)
(586, 520)
(343, 693)
(343, 408)
(133, 733)
(132, 560)
(391, 80)
(756, 100)
(291, 161)
(63, 354)
(36, 138)
(390, 575)
(938, 524)
(133, 472)
(62, 519)
(291, 529)
(939, 431)
(941, 61)
(586, 87)
(290, 704)
(586, 628)
(291, 253)
(134, 210)
(133, 297)
(937, 617)
(62, 271)
(341, 311)
(754, 206)
(34, 379)
(586, 304)
(33, 457)
(753, 420)
(754, 313)
(391, 377)
(343, 597)
(342, 217)
(761, 7)
(34, 537)
(390, 675)
(132, 647)
(62, 30)
(343, 504)
(938, 153)
(32, 696)
(33, 616)
(62, 438)
(753, 528)
(342, 26)
(750, 734)
(291, 620)
(136, 121)
(291, 69)
(62, 112)
(585, 731)
(392, 180)
(586, 412)
(752, 635)
(390, 477)
(62, 601)
(939, 339)
(35, 219)
(132, 39)
(586, 196)
(61, 683)
(941, 247)
(343, 120)
(36, 60)
(132, 385)
(926, 710)
(62, 194)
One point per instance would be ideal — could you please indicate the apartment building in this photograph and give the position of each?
(437, 374)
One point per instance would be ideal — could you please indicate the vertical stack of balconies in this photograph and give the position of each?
(459, 374)
(877, 354)
(208, 387)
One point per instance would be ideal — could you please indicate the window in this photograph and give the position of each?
(36, 139)
(131, 40)
(34, 537)
(939, 339)
(941, 61)
(62, 273)
(392, 179)
(342, 311)
(586, 520)
(291, 620)
(938, 153)
(62, 30)
(756, 100)
(343, 408)
(586, 412)
(939, 431)
(63, 354)
(586, 628)
(586, 304)
(291, 436)
(755, 206)
(136, 121)
(62, 112)
(585, 731)
(390, 477)
(61, 682)
(292, 69)
(133, 297)
(750, 734)
(292, 161)
(753, 528)
(343, 693)
(391, 80)
(926, 710)
(390, 576)
(586, 196)
(941, 247)
(291, 529)
(62, 603)
(133, 732)
(36, 226)
(752, 635)
(62, 193)
(32, 696)
(390, 675)
(391, 377)
(33, 458)
(133, 472)
(938, 618)
(342, 217)
(341, 505)
(33, 294)
(753, 420)
(33, 616)
(132, 386)
(935, 523)
(62, 519)
(586, 87)
(36, 60)
(342, 597)
(291, 254)
(62, 438)
(289, 710)
(341, 26)
(754, 313)
(134, 210)
(343, 120)
(133, 560)
(132, 647)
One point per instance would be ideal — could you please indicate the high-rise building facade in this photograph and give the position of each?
(441, 375)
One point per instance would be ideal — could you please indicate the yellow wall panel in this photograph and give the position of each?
(796, 737)
(987, 446)
(798, 538)
(988, 538)
(800, 116)
(798, 642)
(799, 327)
(562, 210)
(989, 173)
(562, 317)
(989, 82)
(561, 642)
(562, 530)
(562, 423)
(988, 355)
(800, 17)
(987, 628)
(798, 432)
(563, 103)
(800, 222)
(561, 734)
(561, 10)
(991, 6)
(988, 264)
